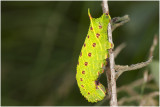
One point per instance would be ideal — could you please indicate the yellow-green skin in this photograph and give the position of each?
(92, 59)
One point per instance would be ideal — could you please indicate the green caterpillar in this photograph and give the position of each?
(92, 59)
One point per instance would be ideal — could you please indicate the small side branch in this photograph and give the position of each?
(119, 21)
(155, 40)
(121, 69)
(139, 98)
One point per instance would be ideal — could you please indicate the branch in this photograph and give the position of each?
(121, 69)
(139, 98)
(105, 6)
(129, 88)
(119, 21)
(134, 84)
(135, 96)
(110, 67)
(155, 40)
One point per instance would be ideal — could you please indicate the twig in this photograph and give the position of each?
(135, 83)
(110, 73)
(151, 86)
(154, 94)
(110, 68)
(119, 21)
(145, 80)
(121, 69)
(126, 99)
(138, 98)
(105, 6)
(148, 100)
(129, 88)
(118, 49)
(153, 45)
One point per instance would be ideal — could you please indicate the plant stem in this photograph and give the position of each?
(110, 67)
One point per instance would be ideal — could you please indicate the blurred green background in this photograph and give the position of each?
(41, 42)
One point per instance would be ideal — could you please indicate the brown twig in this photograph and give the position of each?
(129, 88)
(110, 68)
(136, 96)
(119, 21)
(139, 98)
(145, 99)
(121, 69)
(155, 40)
(148, 100)
(135, 83)
(105, 6)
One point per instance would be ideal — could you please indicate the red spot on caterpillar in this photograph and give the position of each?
(103, 71)
(84, 44)
(88, 93)
(81, 79)
(91, 28)
(94, 44)
(107, 13)
(89, 54)
(98, 73)
(97, 35)
(97, 82)
(112, 45)
(82, 85)
(83, 72)
(100, 27)
(81, 54)
(86, 63)
(102, 65)
(88, 36)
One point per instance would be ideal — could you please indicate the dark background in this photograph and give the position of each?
(41, 42)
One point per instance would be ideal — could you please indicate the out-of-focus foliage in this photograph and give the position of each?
(41, 42)
(155, 70)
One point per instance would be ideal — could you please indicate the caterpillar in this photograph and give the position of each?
(92, 59)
